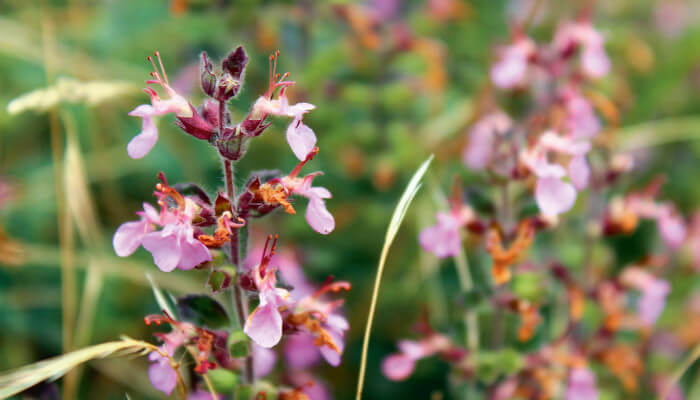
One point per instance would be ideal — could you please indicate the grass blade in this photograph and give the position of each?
(396, 219)
(20, 379)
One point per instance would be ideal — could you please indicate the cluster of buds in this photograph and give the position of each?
(189, 230)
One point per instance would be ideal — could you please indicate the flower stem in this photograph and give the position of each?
(239, 303)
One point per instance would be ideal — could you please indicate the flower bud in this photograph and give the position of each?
(207, 77)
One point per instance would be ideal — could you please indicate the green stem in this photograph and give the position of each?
(237, 294)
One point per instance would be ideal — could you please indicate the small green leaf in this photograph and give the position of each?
(238, 344)
(223, 380)
(202, 310)
(220, 278)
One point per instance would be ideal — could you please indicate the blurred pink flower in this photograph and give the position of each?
(581, 385)
(653, 293)
(264, 361)
(142, 143)
(581, 34)
(300, 351)
(399, 366)
(444, 239)
(482, 138)
(332, 321)
(671, 226)
(310, 385)
(581, 120)
(162, 376)
(510, 70)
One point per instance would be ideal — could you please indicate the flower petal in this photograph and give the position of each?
(128, 237)
(142, 143)
(398, 367)
(162, 376)
(318, 217)
(579, 172)
(264, 360)
(164, 248)
(554, 196)
(264, 325)
(300, 138)
(300, 351)
(194, 252)
(332, 356)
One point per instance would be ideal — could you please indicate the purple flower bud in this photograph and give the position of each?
(234, 64)
(207, 77)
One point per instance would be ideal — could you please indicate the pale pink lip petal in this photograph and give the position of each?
(300, 138)
(579, 172)
(509, 72)
(413, 348)
(672, 228)
(193, 254)
(300, 351)
(162, 377)
(142, 143)
(478, 152)
(164, 248)
(653, 301)
(318, 217)
(398, 367)
(128, 237)
(581, 385)
(264, 325)
(595, 62)
(264, 360)
(554, 196)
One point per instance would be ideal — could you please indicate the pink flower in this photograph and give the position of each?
(289, 268)
(581, 34)
(300, 351)
(581, 120)
(581, 385)
(317, 215)
(142, 143)
(482, 139)
(399, 366)
(552, 194)
(443, 239)
(510, 70)
(671, 227)
(264, 324)
(300, 137)
(653, 300)
(333, 323)
(653, 293)
(670, 223)
(161, 374)
(172, 247)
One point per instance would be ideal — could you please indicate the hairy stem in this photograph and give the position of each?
(239, 303)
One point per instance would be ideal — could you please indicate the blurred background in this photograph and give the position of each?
(393, 80)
